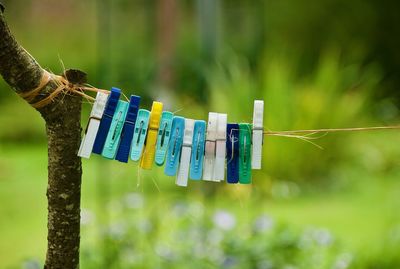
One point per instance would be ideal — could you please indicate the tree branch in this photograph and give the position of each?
(21, 71)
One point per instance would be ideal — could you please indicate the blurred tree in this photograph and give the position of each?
(167, 17)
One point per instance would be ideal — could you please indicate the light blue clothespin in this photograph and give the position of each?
(114, 133)
(139, 136)
(175, 146)
(164, 134)
(196, 163)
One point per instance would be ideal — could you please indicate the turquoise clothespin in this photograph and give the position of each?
(139, 136)
(114, 133)
(175, 146)
(164, 134)
(199, 140)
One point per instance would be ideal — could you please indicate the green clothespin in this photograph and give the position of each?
(245, 153)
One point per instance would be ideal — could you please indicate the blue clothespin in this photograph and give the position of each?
(232, 153)
(196, 163)
(164, 134)
(139, 136)
(128, 129)
(114, 133)
(175, 145)
(106, 119)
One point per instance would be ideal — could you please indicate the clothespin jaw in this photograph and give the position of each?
(139, 135)
(196, 163)
(220, 148)
(105, 122)
(114, 133)
(232, 153)
(164, 134)
(128, 129)
(209, 155)
(245, 153)
(92, 128)
(183, 172)
(150, 147)
(258, 134)
(174, 147)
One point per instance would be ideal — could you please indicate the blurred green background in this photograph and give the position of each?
(317, 64)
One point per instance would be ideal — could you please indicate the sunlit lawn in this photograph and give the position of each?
(364, 214)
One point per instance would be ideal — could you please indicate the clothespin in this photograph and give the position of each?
(86, 147)
(105, 122)
(209, 155)
(174, 147)
(150, 147)
(196, 163)
(220, 149)
(183, 172)
(114, 133)
(244, 153)
(163, 137)
(141, 125)
(258, 134)
(232, 153)
(128, 129)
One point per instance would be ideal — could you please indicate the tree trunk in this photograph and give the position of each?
(62, 116)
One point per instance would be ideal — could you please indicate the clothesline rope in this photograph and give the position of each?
(65, 87)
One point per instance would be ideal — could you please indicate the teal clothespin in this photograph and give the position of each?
(114, 133)
(164, 134)
(139, 136)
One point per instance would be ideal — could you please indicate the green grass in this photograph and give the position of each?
(364, 213)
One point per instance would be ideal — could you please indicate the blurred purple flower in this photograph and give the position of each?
(343, 261)
(134, 200)
(224, 220)
(263, 224)
(87, 216)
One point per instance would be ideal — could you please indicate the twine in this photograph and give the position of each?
(331, 130)
(63, 87)
(67, 88)
(314, 134)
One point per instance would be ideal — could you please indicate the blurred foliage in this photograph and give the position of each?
(320, 64)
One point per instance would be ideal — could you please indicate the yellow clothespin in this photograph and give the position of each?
(150, 148)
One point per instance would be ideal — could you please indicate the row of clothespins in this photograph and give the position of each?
(119, 130)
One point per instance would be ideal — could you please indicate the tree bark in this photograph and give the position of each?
(20, 70)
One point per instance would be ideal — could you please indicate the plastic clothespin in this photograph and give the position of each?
(86, 147)
(105, 122)
(232, 153)
(209, 155)
(196, 163)
(244, 153)
(220, 148)
(183, 172)
(258, 134)
(114, 133)
(139, 135)
(164, 134)
(150, 147)
(128, 129)
(174, 147)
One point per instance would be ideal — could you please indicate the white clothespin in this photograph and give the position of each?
(209, 155)
(183, 172)
(219, 168)
(86, 147)
(258, 134)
